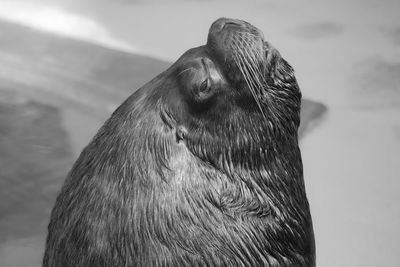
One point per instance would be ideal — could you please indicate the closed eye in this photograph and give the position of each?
(204, 86)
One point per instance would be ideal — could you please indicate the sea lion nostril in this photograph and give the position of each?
(233, 23)
(221, 23)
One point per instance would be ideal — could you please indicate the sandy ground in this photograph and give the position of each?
(346, 55)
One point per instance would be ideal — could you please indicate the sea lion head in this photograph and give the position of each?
(236, 93)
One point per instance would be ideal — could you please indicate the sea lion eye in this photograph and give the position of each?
(199, 80)
(203, 91)
(205, 86)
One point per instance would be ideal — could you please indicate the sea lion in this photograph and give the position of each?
(199, 167)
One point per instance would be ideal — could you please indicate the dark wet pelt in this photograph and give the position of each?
(54, 95)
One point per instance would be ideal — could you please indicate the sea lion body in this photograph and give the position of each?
(199, 167)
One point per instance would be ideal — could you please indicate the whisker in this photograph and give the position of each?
(255, 75)
(255, 57)
(252, 65)
(248, 80)
(244, 68)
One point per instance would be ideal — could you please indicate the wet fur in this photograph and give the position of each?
(166, 184)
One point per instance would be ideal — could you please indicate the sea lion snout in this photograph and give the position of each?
(221, 23)
(226, 36)
(227, 24)
(239, 48)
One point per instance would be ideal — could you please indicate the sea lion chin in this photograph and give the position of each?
(199, 167)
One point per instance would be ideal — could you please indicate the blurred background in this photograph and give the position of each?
(65, 65)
